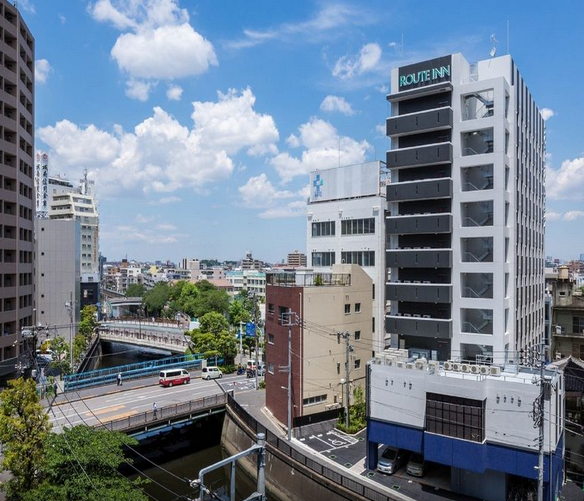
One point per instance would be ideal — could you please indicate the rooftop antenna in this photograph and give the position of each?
(494, 41)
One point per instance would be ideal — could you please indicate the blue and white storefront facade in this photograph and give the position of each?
(481, 426)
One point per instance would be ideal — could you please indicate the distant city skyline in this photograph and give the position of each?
(209, 155)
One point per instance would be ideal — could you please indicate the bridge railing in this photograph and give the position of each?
(138, 370)
(320, 469)
(164, 413)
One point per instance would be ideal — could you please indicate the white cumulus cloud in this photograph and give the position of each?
(138, 89)
(572, 215)
(42, 68)
(259, 193)
(567, 182)
(161, 155)
(323, 148)
(157, 41)
(552, 216)
(367, 60)
(547, 113)
(174, 92)
(336, 103)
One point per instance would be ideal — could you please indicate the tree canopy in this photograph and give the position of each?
(88, 321)
(156, 298)
(136, 290)
(24, 428)
(82, 463)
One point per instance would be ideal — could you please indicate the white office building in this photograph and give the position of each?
(466, 210)
(346, 225)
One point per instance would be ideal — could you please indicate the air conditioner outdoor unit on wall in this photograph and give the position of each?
(448, 365)
(464, 368)
(455, 366)
(495, 371)
(474, 369)
(485, 370)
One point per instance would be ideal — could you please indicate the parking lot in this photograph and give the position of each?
(350, 451)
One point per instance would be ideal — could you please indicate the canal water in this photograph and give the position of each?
(170, 459)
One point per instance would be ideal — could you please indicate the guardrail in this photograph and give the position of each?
(284, 447)
(149, 418)
(131, 371)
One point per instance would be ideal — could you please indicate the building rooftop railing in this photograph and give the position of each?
(308, 279)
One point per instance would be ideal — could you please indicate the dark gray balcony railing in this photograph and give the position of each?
(419, 122)
(420, 155)
(419, 190)
(419, 325)
(418, 258)
(308, 279)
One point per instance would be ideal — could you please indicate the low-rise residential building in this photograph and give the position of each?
(252, 281)
(322, 308)
(567, 324)
(475, 421)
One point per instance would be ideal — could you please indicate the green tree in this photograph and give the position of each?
(187, 299)
(238, 313)
(24, 428)
(213, 322)
(205, 286)
(88, 321)
(203, 341)
(227, 346)
(79, 347)
(156, 298)
(176, 289)
(81, 464)
(211, 300)
(60, 349)
(136, 290)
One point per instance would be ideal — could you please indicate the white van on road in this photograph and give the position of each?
(211, 372)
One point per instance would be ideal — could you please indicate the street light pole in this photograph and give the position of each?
(70, 306)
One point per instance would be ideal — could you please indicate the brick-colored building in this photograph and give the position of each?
(322, 305)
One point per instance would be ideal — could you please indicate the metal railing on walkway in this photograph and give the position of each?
(152, 418)
(138, 370)
(283, 446)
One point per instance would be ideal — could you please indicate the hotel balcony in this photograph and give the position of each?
(418, 156)
(419, 223)
(419, 190)
(418, 258)
(425, 121)
(418, 291)
(418, 325)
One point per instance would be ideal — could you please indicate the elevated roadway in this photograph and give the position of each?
(163, 336)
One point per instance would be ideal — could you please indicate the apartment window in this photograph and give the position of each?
(357, 364)
(362, 258)
(270, 339)
(456, 417)
(338, 367)
(357, 307)
(271, 308)
(577, 325)
(323, 258)
(323, 229)
(271, 368)
(347, 309)
(478, 105)
(357, 335)
(358, 226)
(314, 400)
(373, 324)
(477, 142)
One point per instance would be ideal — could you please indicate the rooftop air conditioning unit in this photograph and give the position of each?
(401, 365)
(495, 371)
(421, 364)
(474, 369)
(455, 366)
(378, 360)
(389, 360)
(448, 365)
(485, 370)
(434, 365)
(465, 367)
(410, 366)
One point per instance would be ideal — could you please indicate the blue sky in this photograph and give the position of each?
(199, 121)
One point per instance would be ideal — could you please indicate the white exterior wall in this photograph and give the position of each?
(399, 396)
(346, 209)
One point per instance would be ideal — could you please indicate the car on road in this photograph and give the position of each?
(391, 460)
(416, 466)
(211, 372)
(174, 377)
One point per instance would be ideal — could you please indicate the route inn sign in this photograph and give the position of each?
(425, 73)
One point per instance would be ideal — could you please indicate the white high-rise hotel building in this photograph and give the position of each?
(465, 225)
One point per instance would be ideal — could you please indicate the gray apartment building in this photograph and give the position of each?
(16, 184)
(466, 207)
(58, 272)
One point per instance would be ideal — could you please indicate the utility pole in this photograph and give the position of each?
(240, 342)
(256, 311)
(70, 306)
(348, 350)
(289, 319)
(539, 418)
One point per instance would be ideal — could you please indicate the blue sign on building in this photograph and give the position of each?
(250, 329)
